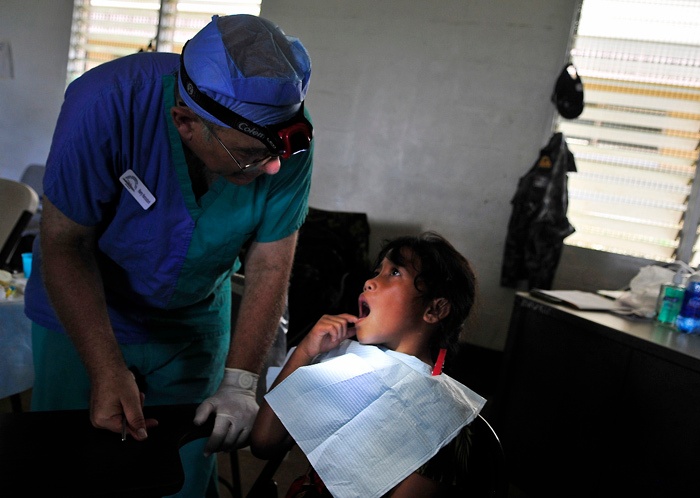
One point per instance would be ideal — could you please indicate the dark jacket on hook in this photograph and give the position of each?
(538, 224)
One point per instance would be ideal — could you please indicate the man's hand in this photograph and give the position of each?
(115, 400)
(235, 407)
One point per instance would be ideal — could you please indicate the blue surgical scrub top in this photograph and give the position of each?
(166, 268)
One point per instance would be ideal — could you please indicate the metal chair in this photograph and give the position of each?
(18, 203)
(486, 474)
(33, 176)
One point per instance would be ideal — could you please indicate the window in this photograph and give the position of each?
(104, 30)
(636, 143)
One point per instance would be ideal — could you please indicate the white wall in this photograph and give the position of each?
(39, 34)
(426, 114)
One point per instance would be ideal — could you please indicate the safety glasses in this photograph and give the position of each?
(243, 167)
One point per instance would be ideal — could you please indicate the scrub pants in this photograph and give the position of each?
(61, 383)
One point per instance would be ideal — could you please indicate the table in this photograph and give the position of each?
(60, 453)
(592, 404)
(16, 366)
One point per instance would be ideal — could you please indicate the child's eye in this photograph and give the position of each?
(395, 272)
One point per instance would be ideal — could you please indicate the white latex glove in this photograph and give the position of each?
(235, 407)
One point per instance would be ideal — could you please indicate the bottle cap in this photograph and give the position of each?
(678, 278)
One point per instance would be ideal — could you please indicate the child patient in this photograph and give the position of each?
(412, 308)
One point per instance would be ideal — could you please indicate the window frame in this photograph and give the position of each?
(177, 21)
(687, 235)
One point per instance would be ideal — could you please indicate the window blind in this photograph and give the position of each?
(103, 30)
(636, 142)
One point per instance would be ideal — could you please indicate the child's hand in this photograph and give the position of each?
(329, 331)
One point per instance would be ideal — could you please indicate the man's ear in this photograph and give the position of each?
(438, 309)
(184, 119)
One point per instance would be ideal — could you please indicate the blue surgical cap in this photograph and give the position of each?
(249, 65)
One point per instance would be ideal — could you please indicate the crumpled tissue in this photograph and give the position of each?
(370, 417)
(644, 290)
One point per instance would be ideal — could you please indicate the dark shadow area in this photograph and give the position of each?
(478, 368)
(330, 266)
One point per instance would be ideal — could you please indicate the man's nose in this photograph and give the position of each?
(272, 167)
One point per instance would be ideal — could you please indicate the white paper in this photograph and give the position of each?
(370, 417)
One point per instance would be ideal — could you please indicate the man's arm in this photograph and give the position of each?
(268, 268)
(74, 285)
(267, 272)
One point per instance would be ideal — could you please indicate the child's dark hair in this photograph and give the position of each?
(442, 272)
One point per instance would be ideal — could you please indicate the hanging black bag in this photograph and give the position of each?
(568, 93)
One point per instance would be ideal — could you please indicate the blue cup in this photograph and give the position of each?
(27, 263)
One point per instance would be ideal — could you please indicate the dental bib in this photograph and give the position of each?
(367, 417)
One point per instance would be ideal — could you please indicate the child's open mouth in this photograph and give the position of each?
(364, 307)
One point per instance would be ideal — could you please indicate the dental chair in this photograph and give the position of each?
(485, 476)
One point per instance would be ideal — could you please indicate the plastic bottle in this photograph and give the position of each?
(688, 320)
(670, 300)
